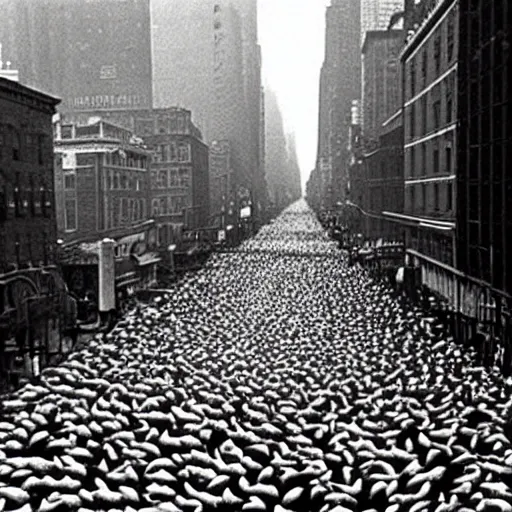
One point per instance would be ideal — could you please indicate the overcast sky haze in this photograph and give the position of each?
(291, 34)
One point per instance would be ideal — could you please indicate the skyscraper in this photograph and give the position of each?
(93, 55)
(340, 84)
(182, 39)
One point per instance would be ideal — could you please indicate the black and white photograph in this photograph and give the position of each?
(255, 256)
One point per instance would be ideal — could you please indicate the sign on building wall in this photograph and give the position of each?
(69, 160)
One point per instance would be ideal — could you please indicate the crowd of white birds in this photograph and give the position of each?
(277, 378)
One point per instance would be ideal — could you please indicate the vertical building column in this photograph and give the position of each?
(106, 276)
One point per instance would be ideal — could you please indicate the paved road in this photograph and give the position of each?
(276, 378)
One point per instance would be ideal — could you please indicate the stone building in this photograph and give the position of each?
(429, 63)
(27, 210)
(36, 312)
(340, 84)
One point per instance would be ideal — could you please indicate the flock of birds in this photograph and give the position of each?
(278, 379)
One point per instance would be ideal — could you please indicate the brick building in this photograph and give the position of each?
(179, 182)
(27, 210)
(35, 310)
(429, 65)
(102, 180)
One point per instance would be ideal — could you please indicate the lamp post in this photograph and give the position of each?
(171, 250)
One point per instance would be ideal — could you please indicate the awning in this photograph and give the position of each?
(147, 258)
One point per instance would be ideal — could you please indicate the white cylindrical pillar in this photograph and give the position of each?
(106, 276)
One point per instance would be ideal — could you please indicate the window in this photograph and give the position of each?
(435, 158)
(424, 158)
(173, 152)
(424, 65)
(16, 144)
(448, 157)
(162, 179)
(412, 120)
(449, 196)
(69, 181)
(40, 149)
(175, 182)
(155, 207)
(163, 152)
(412, 198)
(436, 196)
(163, 206)
(423, 197)
(437, 113)
(412, 75)
(117, 180)
(184, 152)
(437, 53)
(413, 160)
(70, 215)
(424, 114)
(449, 109)
(184, 178)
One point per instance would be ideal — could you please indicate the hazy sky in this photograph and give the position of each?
(291, 34)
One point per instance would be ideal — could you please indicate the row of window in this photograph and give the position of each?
(126, 159)
(431, 60)
(170, 178)
(29, 148)
(124, 180)
(427, 158)
(427, 197)
(169, 205)
(172, 152)
(163, 125)
(22, 202)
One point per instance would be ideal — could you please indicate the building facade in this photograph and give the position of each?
(381, 79)
(35, 310)
(376, 14)
(429, 63)
(182, 39)
(102, 180)
(340, 84)
(484, 178)
(179, 184)
(93, 55)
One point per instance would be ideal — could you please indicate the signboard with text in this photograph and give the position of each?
(107, 62)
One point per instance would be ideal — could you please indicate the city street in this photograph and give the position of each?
(276, 378)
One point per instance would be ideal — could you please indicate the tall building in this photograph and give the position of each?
(376, 14)
(484, 176)
(340, 84)
(293, 168)
(429, 64)
(207, 60)
(381, 87)
(182, 40)
(94, 55)
(35, 310)
(281, 165)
